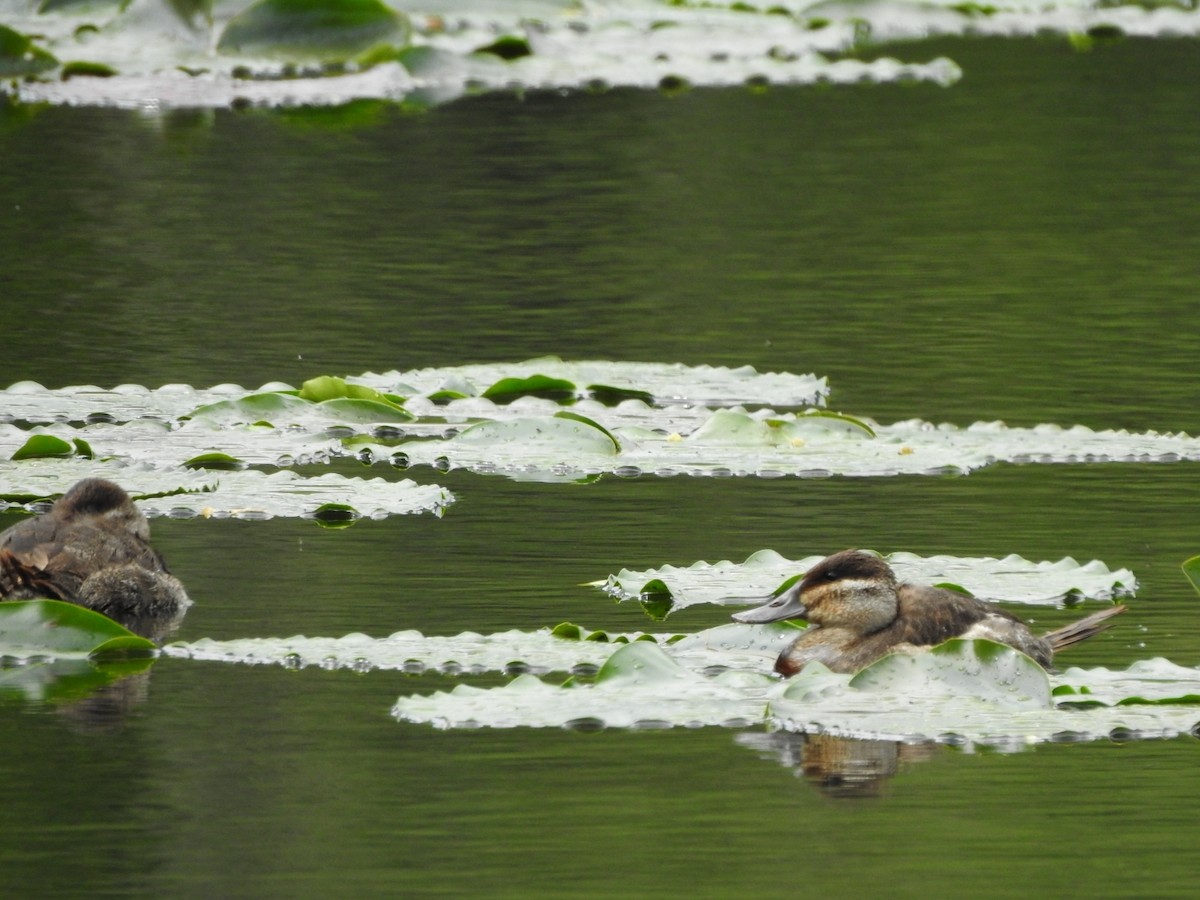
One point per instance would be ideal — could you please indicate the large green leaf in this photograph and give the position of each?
(313, 29)
(19, 57)
(42, 446)
(506, 390)
(51, 628)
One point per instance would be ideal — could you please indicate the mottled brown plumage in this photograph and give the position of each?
(92, 548)
(857, 612)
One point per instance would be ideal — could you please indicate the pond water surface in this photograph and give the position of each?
(1020, 246)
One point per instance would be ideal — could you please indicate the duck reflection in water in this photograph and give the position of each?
(844, 768)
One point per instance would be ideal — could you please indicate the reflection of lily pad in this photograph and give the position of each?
(313, 29)
(66, 680)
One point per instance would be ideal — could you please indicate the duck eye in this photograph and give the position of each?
(831, 575)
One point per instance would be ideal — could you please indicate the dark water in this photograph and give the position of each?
(1021, 246)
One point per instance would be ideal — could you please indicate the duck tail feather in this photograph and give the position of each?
(1082, 629)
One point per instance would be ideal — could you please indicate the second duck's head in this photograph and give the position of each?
(854, 589)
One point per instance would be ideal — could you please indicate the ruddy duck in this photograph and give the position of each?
(857, 612)
(93, 549)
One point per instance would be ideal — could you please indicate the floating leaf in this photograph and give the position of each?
(361, 411)
(271, 407)
(507, 390)
(249, 494)
(80, 68)
(43, 446)
(216, 461)
(612, 396)
(563, 649)
(313, 29)
(329, 387)
(51, 628)
(19, 57)
(507, 47)
(640, 686)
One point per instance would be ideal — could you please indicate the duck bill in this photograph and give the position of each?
(787, 605)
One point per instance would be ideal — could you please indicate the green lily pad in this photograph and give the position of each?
(271, 407)
(313, 29)
(51, 628)
(45, 446)
(364, 412)
(216, 461)
(330, 387)
(19, 57)
(506, 390)
(84, 69)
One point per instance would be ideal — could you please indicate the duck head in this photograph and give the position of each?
(105, 503)
(853, 589)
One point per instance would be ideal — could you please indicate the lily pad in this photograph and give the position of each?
(507, 390)
(313, 29)
(57, 630)
(639, 687)
(43, 446)
(538, 651)
(248, 494)
(20, 57)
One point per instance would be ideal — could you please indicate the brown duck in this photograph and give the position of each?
(92, 548)
(857, 612)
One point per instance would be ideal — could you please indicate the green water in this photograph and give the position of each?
(1020, 246)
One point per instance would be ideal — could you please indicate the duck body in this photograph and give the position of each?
(93, 549)
(858, 612)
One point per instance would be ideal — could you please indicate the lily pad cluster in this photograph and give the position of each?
(542, 420)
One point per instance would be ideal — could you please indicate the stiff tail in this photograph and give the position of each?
(1081, 630)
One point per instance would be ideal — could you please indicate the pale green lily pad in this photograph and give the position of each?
(313, 29)
(1012, 579)
(640, 686)
(957, 693)
(963, 692)
(154, 443)
(411, 651)
(248, 494)
(251, 494)
(731, 442)
(751, 647)
(668, 383)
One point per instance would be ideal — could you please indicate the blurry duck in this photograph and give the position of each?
(93, 549)
(857, 612)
